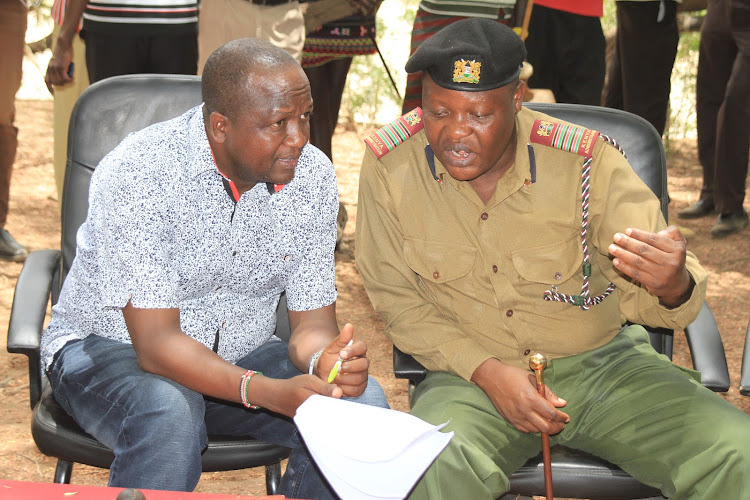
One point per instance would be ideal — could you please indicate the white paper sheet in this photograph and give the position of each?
(365, 452)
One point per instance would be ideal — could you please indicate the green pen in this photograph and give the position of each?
(337, 366)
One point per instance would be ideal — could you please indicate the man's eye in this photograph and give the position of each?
(280, 123)
(306, 116)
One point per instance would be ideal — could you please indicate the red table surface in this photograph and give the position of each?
(26, 490)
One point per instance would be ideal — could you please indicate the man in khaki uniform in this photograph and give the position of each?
(478, 246)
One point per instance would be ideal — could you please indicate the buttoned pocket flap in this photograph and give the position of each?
(437, 261)
(551, 264)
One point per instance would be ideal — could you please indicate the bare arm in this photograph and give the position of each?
(163, 349)
(57, 69)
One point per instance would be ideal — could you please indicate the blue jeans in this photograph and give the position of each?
(158, 429)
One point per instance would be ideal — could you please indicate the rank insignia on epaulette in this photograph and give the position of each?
(385, 139)
(571, 138)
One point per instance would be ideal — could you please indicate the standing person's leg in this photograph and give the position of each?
(220, 21)
(327, 83)
(544, 49)
(646, 50)
(716, 57)
(302, 478)
(65, 99)
(13, 19)
(634, 408)
(733, 127)
(173, 54)
(582, 65)
(282, 25)
(613, 97)
(112, 55)
(485, 449)
(154, 425)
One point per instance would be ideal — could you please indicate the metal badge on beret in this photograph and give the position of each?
(472, 55)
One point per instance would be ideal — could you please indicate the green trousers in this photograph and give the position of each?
(627, 404)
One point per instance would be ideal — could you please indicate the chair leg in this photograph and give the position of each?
(273, 478)
(63, 471)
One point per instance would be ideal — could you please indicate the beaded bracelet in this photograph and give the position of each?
(244, 384)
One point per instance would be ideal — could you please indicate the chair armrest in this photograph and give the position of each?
(30, 301)
(745, 377)
(405, 366)
(707, 350)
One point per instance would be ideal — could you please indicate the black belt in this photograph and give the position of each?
(270, 2)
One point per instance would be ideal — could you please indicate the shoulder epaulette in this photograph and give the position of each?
(571, 138)
(387, 138)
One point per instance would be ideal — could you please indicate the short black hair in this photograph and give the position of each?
(226, 84)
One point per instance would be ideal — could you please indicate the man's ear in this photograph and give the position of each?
(218, 124)
(518, 95)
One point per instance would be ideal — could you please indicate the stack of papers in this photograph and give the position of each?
(367, 452)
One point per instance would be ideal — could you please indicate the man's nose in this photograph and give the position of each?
(298, 133)
(459, 127)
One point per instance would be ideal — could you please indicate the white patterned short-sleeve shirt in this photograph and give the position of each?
(162, 232)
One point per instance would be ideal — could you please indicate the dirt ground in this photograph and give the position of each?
(34, 220)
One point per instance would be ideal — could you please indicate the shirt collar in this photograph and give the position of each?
(511, 181)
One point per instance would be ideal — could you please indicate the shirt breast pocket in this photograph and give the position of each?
(547, 267)
(445, 271)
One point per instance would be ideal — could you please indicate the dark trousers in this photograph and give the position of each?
(111, 55)
(640, 71)
(327, 83)
(723, 102)
(567, 53)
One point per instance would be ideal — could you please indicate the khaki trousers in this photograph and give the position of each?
(627, 404)
(221, 21)
(65, 98)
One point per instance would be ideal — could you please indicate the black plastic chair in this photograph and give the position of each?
(104, 114)
(577, 474)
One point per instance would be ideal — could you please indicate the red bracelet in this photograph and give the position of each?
(244, 384)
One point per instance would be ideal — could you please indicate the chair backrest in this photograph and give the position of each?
(103, 116)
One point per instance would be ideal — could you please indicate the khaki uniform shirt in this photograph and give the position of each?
(458, 281)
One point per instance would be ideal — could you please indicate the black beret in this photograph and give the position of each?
(471, 55)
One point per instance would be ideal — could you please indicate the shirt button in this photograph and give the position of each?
(494, 269)
(485, 216)
(234, 253)
(558, 276)
(527, 352)
(509, 313)
(436, 275)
